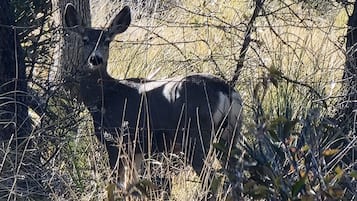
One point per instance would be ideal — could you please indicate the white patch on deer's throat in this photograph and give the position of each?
(108, 137)
(222, 108)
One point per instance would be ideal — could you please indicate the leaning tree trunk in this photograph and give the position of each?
(14, 119)
(348, 111)
(69, 54)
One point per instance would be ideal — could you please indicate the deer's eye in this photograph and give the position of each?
(85, 40)
(107, 41)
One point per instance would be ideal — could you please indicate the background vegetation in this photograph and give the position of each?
(286, 58)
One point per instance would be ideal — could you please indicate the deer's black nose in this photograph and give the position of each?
(95, 60)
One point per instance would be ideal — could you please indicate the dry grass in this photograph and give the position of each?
(196, 36)
(180, 41)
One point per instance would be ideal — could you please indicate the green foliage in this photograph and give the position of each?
(298, 153)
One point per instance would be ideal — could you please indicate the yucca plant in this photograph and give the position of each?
(296, 153)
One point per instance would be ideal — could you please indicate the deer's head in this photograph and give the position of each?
(96, 41)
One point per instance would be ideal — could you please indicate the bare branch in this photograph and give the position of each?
(246, 41)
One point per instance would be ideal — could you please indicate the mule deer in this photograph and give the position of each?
(160, 115)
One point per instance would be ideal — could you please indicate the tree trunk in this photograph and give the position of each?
(14, 119)
(19, 168)
(348, 109)
(69, 54)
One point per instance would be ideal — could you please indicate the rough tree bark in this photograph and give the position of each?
(348, 107)
(14, 119)
(69, 54)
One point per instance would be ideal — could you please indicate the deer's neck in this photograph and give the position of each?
(93, 87)
(98, 88)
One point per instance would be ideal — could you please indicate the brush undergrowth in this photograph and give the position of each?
(291, 149)
(295, 154)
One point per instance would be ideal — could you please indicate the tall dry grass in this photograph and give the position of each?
(288, 58)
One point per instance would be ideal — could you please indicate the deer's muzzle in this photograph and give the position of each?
(95, 60)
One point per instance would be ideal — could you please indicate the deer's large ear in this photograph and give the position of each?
(121, 22)
(72, 19)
